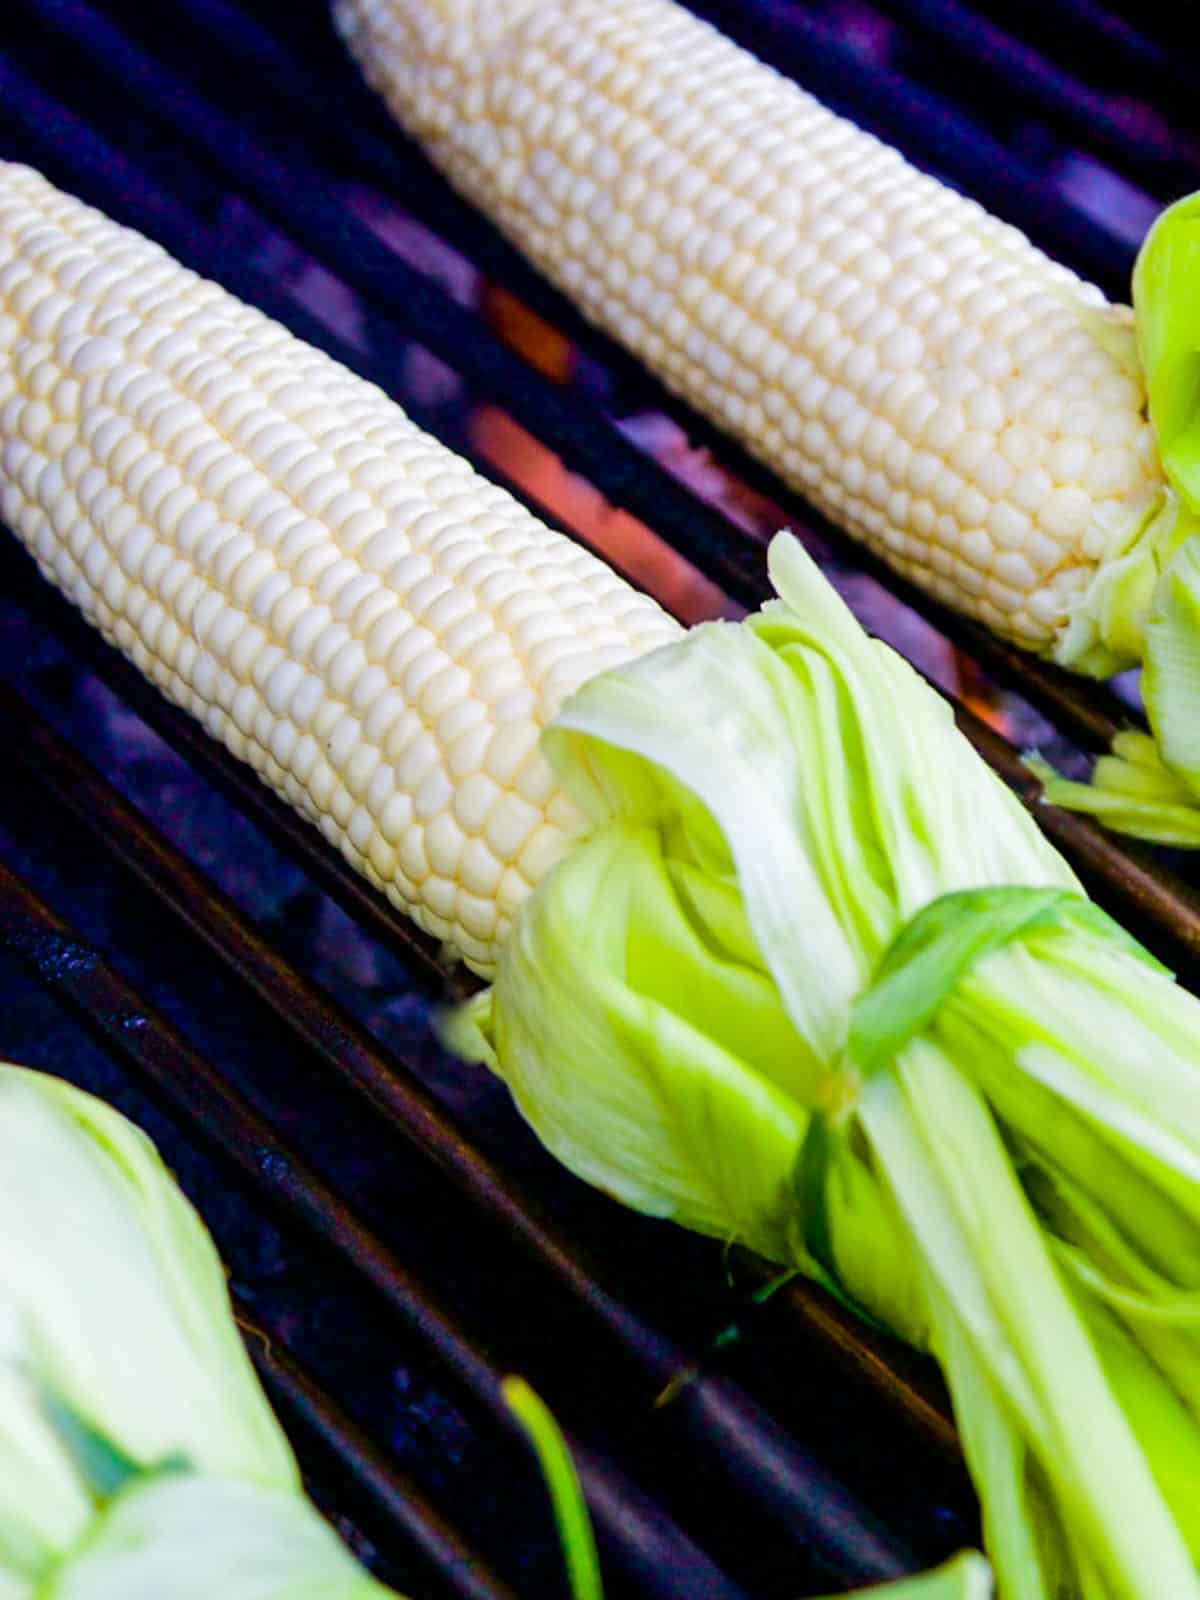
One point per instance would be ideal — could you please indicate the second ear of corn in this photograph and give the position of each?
(968, 408)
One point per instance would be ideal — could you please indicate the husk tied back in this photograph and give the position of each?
(1009, 1167)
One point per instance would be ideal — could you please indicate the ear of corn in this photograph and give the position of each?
(380, 632)
(942, 390)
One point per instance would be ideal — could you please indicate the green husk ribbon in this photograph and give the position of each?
(917, 975)
(793, 906)
(934, 949)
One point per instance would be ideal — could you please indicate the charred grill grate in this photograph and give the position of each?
(396, 1238)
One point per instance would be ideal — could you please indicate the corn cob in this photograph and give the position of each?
(380, 632)
(966, 407)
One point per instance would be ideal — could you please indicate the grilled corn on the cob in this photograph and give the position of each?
(380, 632)
(941, 389)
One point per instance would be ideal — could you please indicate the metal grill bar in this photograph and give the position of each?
(709, 1412)
(1110, 47)
(390, 1500)
(1017, 75)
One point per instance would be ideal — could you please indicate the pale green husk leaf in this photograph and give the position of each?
(112, 1299)
(967, 1577)
(193, 1538)
(138, 1456)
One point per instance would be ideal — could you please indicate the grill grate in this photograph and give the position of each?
(229, 131)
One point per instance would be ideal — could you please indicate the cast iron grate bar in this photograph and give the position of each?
(383, 1498)
(1133, 58)
(1031, 84)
